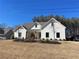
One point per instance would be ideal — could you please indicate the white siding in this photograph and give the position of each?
(52, 30)
(57, 28)
(22, 31)
(38, 27)
(49, 29)
(61, 29)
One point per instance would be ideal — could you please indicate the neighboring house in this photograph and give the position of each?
(6, 33)
(51, 30)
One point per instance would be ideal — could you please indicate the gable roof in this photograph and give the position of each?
(8, 31)
(48, 23)
(17, 27)
(43, 24)
(53, 20)
(30, 25)
(5, 30)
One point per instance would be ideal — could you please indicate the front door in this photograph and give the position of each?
(32, 35)
(39, 35)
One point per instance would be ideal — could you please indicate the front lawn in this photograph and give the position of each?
(28, 50)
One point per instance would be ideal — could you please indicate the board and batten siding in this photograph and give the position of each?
(52, 30)
(49, 29)
(22, 31)
(52, 27)
(37, 28)
(61, 29)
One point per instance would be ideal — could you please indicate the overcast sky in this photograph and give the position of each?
(14, 12)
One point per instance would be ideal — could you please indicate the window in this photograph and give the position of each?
(19, 34)
(35, 25)
(58, 35)
(47, 34)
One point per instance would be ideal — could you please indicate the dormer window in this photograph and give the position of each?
(35, 25)
(51, 24)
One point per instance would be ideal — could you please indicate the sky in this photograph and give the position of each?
(15, 12)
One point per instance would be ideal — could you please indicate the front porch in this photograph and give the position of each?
(33, 35)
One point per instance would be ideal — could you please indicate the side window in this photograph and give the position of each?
(19, 34)
(58, 35)
(47, 34)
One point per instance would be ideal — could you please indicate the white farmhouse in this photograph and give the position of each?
(51, 30)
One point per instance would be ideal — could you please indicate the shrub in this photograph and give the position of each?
(55, 39)
(43, 40)
(51, 39)
(64, 39)
(16, 39)
(60, 39)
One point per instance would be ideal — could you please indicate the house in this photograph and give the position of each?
(6, 33)
(51, 30)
